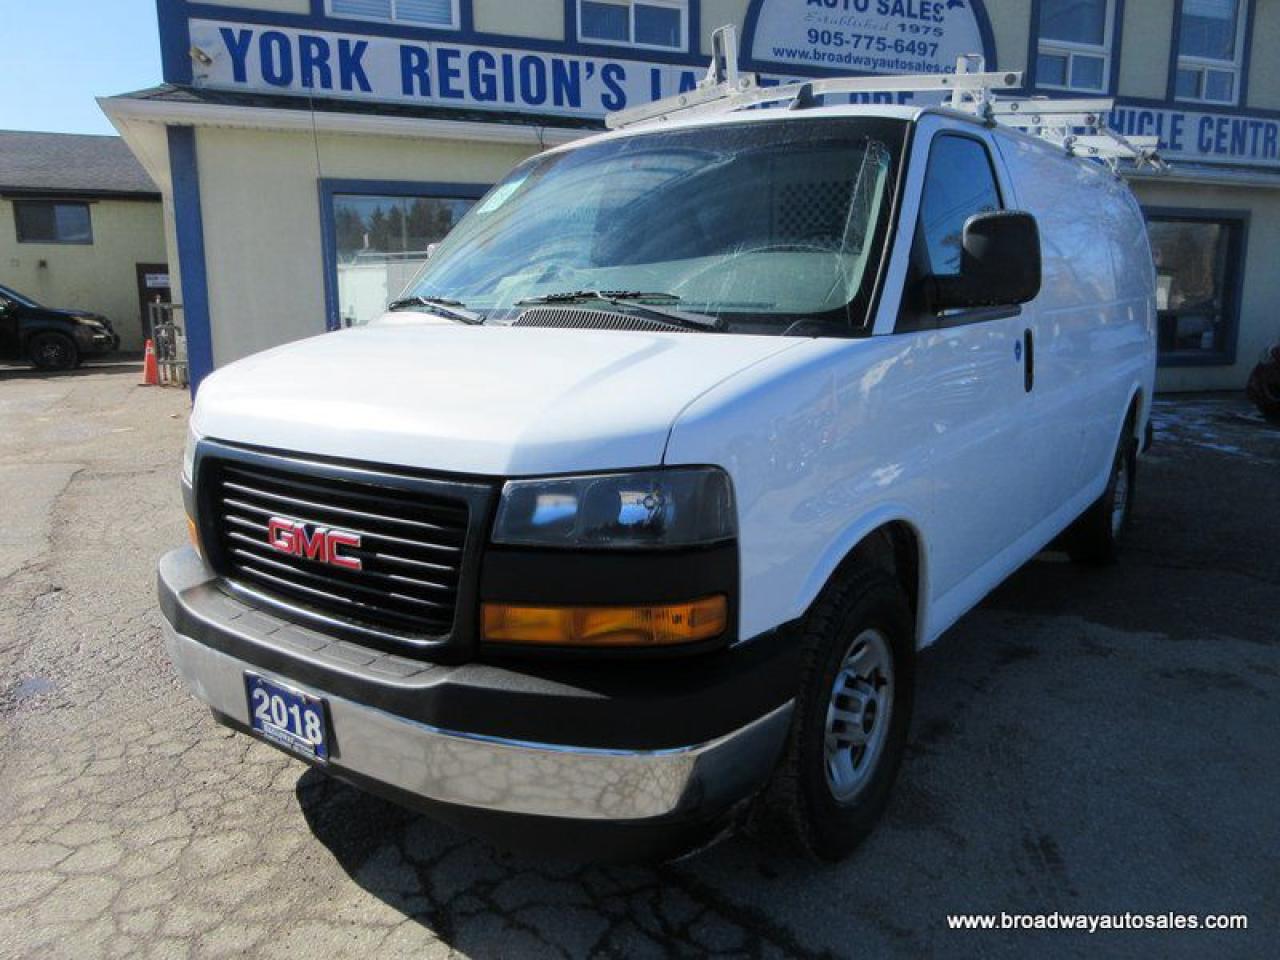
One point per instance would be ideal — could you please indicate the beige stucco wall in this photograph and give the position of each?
(1259, 319)
(527, 18)
(261, 210)
(1264, 67)
(1145, 48)
(1010, 26)
(100, 276)
(718, 13)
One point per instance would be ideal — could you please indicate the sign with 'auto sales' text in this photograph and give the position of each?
(868, 36)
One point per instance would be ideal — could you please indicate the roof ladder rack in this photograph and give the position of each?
(1078, 126)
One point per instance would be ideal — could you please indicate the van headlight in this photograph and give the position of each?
(653, 509)
(189, 455)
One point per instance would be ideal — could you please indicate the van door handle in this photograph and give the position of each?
(1028, 360)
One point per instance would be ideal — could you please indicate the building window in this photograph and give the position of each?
(661, 24)
(1198, 259)
(381, 242)
(1210, 48)
(428, 13)
(1075, 45)
(53, 221)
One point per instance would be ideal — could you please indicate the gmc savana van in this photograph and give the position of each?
(635, 512)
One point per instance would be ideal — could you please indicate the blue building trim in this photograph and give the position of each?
(571, 22)
(1246, 55)
(1117, 48)
(1029, 78)
(1236, 254)
(175, 42)
(330, 187)
(189, 228)
(1171, 80)
(175, 37)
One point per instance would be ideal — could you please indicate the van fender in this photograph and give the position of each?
(1135, 392)
(1143, 413)
(843, 544)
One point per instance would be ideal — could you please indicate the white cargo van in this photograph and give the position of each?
(641, 503)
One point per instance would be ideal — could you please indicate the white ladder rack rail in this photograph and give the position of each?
(1060, 122)
(1078, 126)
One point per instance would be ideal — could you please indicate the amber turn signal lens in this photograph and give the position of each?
(648, 626)
(193, 534)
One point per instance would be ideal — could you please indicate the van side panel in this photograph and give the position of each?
(1093, 320)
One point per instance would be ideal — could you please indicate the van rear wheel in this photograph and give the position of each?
(1096, 536)
(852, 712)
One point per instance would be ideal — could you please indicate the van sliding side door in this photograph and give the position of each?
(1071, 322)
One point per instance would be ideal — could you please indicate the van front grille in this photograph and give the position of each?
(274, 528)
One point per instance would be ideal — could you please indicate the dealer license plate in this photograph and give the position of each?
(288, 718)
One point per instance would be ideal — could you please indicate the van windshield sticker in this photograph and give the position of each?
(501, 195)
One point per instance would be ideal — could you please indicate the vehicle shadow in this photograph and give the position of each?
(746, 896)
(484, 901)
(1047, 770)
(127, 367)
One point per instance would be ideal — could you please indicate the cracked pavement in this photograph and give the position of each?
(1086, 741)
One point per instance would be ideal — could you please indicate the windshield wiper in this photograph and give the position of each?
(441, 307)
(631, 299)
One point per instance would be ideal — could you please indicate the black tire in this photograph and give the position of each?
(802, 807)
(52, 351)
(1096, 536)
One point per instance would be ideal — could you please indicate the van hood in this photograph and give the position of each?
(501, 401)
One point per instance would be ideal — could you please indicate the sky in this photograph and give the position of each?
(61, 54)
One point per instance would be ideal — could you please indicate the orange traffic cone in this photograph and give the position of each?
(150, 369)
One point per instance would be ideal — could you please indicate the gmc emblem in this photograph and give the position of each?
(321, 544)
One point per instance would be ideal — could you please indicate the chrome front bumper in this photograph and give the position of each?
(511, 776)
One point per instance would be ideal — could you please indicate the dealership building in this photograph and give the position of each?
(308, 152)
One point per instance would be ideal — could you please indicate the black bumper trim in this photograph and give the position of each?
(631, 705)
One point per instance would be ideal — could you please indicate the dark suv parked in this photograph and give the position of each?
(48, 338)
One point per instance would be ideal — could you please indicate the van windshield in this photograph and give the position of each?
(759, 225)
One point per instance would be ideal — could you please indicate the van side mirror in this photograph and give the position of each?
(999, 263)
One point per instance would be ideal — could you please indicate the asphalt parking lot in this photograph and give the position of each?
(1085, 742)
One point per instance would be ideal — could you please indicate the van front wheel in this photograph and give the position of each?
(1095, 537)
(852, 713)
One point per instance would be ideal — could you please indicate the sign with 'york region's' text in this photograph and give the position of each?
(867, 36)
(283, 60)
(257, 58)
